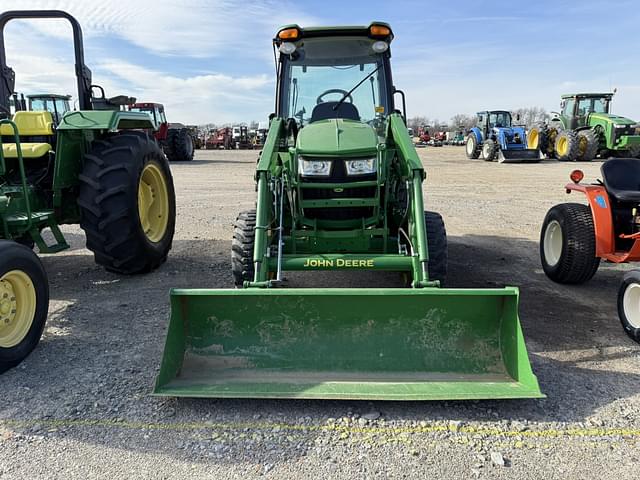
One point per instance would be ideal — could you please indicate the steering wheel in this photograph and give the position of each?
(334, 90)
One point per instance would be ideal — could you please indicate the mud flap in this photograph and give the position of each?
(375, 344)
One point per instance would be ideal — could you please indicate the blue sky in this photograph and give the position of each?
(211, 60)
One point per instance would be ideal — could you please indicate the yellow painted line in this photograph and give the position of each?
(382, 430)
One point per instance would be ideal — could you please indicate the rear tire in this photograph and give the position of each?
(437, 246)
(587, 145)
(568, 244)
(489, 150)
(629, 304)
(23, 311)
(472, 148)
(566, 146)
(181, 145)
(127, 203)
(244, 234)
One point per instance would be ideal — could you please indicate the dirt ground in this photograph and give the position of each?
(79, 406)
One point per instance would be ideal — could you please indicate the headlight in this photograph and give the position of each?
(361, 166)
(314, 168)
(620, 126)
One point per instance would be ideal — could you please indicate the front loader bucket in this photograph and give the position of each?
(519, 156)
(374, 344)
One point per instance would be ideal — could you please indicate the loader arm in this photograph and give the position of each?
(412, 167)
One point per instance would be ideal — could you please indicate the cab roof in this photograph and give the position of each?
(337, 31)
(587, 95)
(49, 95)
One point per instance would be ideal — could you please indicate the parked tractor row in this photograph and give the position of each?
(583, 130)
(239, 137)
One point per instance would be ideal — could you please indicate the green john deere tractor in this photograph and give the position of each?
(340, 187)
(585, 128)
(98, 167)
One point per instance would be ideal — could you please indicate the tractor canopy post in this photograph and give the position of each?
(7, 75)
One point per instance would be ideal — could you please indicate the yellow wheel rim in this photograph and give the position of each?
(153, 202)
(563, 146)
(533, 139)
(17, 307)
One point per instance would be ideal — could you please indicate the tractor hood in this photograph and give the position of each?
(611, 118)
(337, 136)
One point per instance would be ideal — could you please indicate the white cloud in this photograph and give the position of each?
(218, 98)
(195, 28)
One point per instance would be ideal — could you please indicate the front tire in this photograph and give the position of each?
(436, 246)
(568, 244)
(629, 304)
(566, 146)
(587, 145)
(489, 150)
(24, 303)
(472, 148)
(538, 138)
(127, 203)
(244, 234)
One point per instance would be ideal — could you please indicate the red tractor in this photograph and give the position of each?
(175, 139)
(220, 138)
(423, 134)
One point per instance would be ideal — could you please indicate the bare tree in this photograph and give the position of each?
(529, 116)
(463, 120)
(417, 122)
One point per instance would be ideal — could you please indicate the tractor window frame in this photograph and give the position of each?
(385, 93)
(569, 102)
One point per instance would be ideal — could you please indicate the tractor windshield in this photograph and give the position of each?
(323, 71)
(499, 119)
(593, 105)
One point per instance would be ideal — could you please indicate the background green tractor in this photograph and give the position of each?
(97, 167)
(340, 188)
(585, 128)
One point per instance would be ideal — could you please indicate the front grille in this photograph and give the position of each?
(339, 175)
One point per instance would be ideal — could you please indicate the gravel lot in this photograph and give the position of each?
(79, 407)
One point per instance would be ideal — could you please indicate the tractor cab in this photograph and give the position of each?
(157, 114)
(57, 105)
(335, 93)
(328, 74)
(576, 108)
(488, 120)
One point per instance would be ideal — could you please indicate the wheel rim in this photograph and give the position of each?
(470, 147)
(563, 146)
(17, 307)
(631, 304)
(486, 150)
(153, 202)
(533, 139)
(552, 243)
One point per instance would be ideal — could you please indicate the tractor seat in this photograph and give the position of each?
(621, 177)
(325, 111)
(30, 124)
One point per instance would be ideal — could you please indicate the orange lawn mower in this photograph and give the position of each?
(575, 237)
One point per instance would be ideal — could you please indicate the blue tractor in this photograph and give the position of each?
(495, 138)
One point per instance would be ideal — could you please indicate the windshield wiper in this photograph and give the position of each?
(346, 95)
